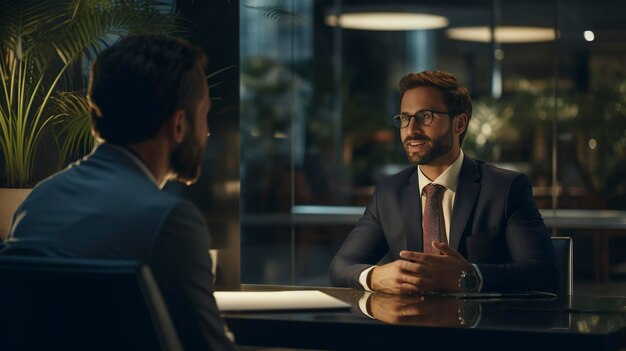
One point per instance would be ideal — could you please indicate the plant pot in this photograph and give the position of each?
(10, 199)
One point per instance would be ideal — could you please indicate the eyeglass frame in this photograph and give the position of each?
(417, 118)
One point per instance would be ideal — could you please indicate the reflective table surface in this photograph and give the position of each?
(381, 321)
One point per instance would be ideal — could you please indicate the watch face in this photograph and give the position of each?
(469, 282)
(469, 312)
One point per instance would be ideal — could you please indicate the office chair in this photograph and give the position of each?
(563, 247)
(78, 304)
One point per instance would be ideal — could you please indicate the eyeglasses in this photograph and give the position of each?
(423, 118)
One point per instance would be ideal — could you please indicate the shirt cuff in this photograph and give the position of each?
(480, 277)
(363, 278)
(363, 304)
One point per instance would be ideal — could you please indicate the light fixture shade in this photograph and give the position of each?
(387, 21)
(503, 34)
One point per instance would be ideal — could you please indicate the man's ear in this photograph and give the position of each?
(460, 124)
(177, 126)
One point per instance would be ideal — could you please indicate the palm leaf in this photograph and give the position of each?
(90, 32)
(278, 13)
(75, 133)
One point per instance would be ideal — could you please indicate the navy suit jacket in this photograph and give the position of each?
(104, 207)
(495, 224)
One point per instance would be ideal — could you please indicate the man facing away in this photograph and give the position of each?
(149, 101)
(452, 223)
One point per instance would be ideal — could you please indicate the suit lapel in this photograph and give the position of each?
(467, 192)
(412, 214)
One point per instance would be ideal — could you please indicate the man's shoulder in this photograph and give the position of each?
(491, 173)
(491, 168)
(107, 186)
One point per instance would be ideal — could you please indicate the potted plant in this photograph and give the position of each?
(45, 50)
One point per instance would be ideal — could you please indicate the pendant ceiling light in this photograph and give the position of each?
(386, 21)
(503, 34)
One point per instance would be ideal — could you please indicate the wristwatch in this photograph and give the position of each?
(468, 282)
(469, 313)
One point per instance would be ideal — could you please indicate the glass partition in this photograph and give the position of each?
(317, 95)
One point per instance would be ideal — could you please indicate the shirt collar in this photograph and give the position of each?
(449, 178)
(137, 161)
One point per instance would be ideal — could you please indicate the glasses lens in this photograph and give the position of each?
(425, 118)
(399, 120)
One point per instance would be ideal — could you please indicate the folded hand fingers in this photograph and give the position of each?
(417, 269)
(423, 258)
(421, 283)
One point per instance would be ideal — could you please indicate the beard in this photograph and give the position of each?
(440, 146)
(186, 159)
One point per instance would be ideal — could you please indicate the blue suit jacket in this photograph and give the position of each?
(495, 224)
(104, 207)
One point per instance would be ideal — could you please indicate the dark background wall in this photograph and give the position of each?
(214, 26)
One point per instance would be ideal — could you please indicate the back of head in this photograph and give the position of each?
(457, 96)
(139, 82)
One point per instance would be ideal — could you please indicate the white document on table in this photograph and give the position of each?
(276, 300)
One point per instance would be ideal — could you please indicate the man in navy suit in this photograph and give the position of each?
(489, 234)
(149, 102)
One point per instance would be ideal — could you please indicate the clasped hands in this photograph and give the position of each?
(415, 309)
(420, 272)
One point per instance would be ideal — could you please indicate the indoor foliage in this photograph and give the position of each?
(45, 50)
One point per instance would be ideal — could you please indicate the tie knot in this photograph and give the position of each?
(434, 191)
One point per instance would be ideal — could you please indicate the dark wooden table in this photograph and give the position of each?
(410, 322)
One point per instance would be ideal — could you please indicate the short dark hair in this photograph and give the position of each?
(139, 82)
(457, 96)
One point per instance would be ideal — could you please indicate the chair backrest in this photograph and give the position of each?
(50, 303)
(563, 246)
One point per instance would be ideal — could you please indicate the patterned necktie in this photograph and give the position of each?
(432, 220)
